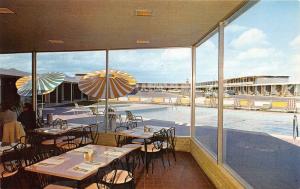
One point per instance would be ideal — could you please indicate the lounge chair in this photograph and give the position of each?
(132, 120)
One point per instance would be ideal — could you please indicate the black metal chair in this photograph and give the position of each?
(11, 160)
(154, 149)
(169, 143)
(105, 177)
(120, 139)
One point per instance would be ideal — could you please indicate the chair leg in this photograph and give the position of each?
(174, 154)
(168, 156)
(162, 160)
(152, 166)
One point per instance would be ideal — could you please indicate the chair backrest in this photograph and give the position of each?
(76, 105)
(171, 142)
(120, 140)
(131, 160)
(59, 122)
(158, 139)
(107, 175)
(33, 138)
(129, 115)
(11, 159)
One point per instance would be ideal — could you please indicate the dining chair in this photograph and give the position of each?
(154, 149)
(86, 136)
(169, 143)
(105, 177)
(120, 139)
(10, 166)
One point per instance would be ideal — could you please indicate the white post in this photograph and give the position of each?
(220, 92)
(193, 92)
(106, 95)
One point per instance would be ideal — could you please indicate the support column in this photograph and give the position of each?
(106, 90)
(56, 95)
(33, 75)
(62, 92)
(71, 94)
(193, 92)
(220, 92)
(81, 95)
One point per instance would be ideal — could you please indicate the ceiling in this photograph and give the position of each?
(108, 24)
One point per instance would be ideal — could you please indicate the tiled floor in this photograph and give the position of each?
(182, 174)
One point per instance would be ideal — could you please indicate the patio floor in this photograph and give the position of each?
(184, 173)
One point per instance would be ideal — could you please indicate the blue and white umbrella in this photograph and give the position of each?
(45, 83)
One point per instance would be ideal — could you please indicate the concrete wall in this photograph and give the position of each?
(271, 80)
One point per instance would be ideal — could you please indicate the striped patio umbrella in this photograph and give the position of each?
(119, 84)
(45, 83)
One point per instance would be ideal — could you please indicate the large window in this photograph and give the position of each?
(13, 67)
(63, 101)
(162, 94)
(262, 72)
(206, 112)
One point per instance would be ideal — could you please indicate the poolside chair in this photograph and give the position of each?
(132, 120)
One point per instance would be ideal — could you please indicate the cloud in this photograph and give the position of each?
(295, 43)
(251, 38)
(235, 28)
(256, 53)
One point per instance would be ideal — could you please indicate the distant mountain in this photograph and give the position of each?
(13, 72)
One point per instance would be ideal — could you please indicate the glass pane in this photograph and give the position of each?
(13, 67)
(206, 94)
(67, 101)
(262, 95)
(162, 93)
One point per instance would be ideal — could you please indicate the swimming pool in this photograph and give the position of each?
(258, 121)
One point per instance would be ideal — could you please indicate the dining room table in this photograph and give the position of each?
(72, 165)
(56, 132)
(144, 132)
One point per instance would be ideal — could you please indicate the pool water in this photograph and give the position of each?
(258, 121)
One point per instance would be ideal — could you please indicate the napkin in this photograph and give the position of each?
(83, 149)
(113, 153)
(53, 161)
(86, 167)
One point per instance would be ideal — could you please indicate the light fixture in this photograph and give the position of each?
(55, 41)
(6, 11)
(142, 41)
(143, 12)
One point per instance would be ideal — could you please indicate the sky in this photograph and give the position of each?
(265, 40)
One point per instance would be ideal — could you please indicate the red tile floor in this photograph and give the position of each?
(185, 173)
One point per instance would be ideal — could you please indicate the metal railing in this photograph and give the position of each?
(295, 127)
